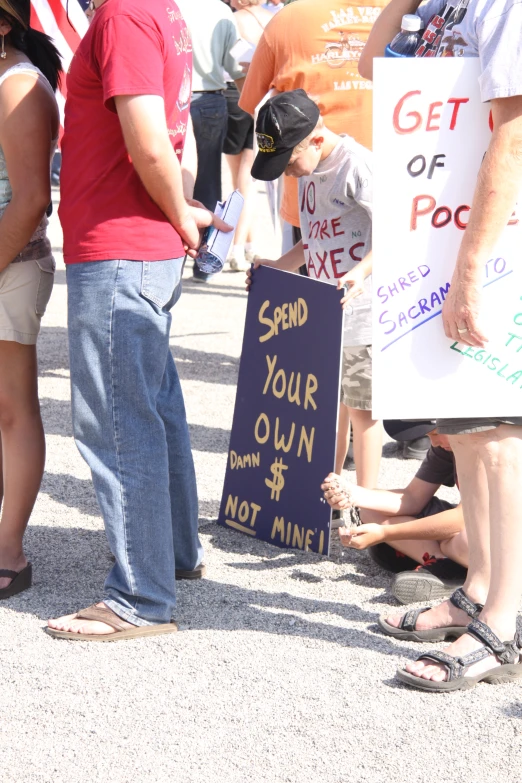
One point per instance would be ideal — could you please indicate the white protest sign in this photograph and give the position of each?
(431, 132)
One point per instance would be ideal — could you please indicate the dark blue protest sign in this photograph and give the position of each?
(285, 419)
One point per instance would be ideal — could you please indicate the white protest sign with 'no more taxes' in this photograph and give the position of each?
(431, 132)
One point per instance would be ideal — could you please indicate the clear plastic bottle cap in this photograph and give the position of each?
(411, 23)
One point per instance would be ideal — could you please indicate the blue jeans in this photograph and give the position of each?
(130, 427)
(209, 119)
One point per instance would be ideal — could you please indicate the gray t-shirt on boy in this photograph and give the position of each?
(335, 204)
(489, 29)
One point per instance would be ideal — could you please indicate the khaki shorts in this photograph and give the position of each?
(356, 382)
(25, 290)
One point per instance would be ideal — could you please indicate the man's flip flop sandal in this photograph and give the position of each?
(108, 617)
(407, 629)
(508, 653)
(21, 580)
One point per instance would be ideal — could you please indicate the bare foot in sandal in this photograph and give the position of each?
(98, 623)
(11, 561)
(72, 624)
(445, 614)
(445, 621)
(437, 672)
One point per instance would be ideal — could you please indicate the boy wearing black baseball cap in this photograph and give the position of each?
(335, 201)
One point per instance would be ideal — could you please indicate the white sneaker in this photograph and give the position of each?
(251, 256)
(239, 264)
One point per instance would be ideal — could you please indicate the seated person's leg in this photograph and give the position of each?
(417, 549)
(424, 540)
(456, 548)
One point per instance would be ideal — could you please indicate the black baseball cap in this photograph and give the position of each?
(408, 430)
(283, 122)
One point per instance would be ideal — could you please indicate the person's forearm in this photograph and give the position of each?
(393, 502)
(364, 266)
(293, 259)
(498, 187)
(18, 224)
(384, 29)
(189, 163)
(160, 173)
(433, 528)
(240, 84)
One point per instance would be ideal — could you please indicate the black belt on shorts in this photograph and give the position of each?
(208, 92)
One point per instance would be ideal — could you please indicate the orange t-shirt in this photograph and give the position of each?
(316, 45)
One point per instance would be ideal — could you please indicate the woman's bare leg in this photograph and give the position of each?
(23, 449)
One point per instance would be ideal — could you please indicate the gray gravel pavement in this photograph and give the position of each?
(279, 674)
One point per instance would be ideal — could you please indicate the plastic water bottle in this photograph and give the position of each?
(406, 43)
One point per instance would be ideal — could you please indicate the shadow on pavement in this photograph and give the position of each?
(70, 566)
(513, 710)
(72, 492)
(190, 287)
(207, 367)
(367, 573)
(56, 415)
(212, 439)
(53, 352)
(78, 493)
(392, 451)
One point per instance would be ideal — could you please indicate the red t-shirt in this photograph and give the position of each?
(131, 48)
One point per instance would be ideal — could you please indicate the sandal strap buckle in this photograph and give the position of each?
(506, 653)
(461, 601)
(409, 620)
(452, 664)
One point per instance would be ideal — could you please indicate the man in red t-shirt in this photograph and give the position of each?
(127, 226)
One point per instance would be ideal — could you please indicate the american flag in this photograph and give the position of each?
(65, 22)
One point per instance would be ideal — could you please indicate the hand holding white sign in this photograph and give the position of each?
(461, 312)
(442, 351)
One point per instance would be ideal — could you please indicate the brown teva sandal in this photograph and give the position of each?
(22, 580)
(508, 653)
(407, 630)
(107, 616)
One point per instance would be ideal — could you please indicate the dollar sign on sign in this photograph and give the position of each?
(277, 483)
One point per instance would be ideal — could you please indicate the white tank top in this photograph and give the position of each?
(39, 246)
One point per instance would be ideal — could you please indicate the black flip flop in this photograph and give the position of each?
(22, 580)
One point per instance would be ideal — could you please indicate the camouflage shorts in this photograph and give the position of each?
(357, 377)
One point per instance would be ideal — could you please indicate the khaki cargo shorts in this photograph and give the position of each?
(356, 384)
(25, 290)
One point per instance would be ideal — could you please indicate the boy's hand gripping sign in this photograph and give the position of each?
(283, 437)
(431, 132)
